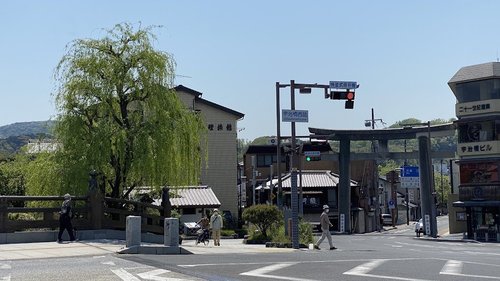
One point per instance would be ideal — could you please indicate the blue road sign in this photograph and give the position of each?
(410, 171)
(410, 177)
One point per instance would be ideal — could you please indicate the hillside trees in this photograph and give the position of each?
(119, 116)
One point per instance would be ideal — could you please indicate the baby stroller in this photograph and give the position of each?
(203, 236)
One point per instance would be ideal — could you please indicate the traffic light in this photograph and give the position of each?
(313, 158)
(344, 95)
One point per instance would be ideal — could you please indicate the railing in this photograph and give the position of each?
(90, 212)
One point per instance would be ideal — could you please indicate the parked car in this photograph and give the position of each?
(386, 219)
(419, 227)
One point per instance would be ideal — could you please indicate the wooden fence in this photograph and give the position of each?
(90, 212)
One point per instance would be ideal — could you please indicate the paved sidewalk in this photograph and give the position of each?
(41, 250)
(228, 246)
(55, 250)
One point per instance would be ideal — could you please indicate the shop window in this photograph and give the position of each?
(478, 90)
(264, 160)
(268, 159)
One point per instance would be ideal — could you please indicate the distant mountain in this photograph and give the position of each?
(11, 145)
(33, 128)
(17, 135)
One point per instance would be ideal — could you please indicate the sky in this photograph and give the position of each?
(401, 53)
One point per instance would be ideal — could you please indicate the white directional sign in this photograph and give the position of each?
(294, 115)
(343, 85)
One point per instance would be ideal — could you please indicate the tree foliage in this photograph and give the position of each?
(262, 216)
(12, 180)
(119, 115)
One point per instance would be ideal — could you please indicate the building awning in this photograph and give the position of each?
(464, 204)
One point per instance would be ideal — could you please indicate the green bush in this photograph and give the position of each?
(241, 232)
(263, 217)
(227, 232)
(278, 234)
(305, 232)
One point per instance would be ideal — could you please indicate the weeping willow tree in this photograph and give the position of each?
(118, 115)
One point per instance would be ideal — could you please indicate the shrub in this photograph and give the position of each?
(305, 233)
(227, 232)
(262, 216)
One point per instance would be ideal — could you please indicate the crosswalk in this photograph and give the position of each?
(5, 274)
(371, 269)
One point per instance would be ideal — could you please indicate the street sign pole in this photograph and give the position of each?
(294, 195)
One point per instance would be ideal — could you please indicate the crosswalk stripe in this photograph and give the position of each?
(262, 272)
(124, 275)
(452, 267)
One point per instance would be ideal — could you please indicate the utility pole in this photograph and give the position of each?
(253, 180)
(407, 197)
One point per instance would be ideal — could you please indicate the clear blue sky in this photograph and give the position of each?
(402, 53)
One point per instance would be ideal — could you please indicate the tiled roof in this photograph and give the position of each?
(313, 179)
(475, 72)
(194, 197)
(182, 88)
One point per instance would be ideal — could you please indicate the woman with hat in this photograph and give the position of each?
(325, 228)
(216, 226)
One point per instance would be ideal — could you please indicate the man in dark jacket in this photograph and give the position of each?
(65, 219)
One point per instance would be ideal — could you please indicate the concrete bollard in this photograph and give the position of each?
(171, 232)
(498, 236)
(133, 231)
(486, 237)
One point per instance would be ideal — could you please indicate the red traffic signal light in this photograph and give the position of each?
(342, 95)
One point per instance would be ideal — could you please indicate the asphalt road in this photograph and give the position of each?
(394, 254)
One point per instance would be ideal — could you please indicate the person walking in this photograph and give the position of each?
(216, 226)
(325, 229)
(65, 219)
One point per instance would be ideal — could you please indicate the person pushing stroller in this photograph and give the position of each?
(203, 235)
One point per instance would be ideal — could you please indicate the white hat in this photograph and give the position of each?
(67, 196)
(325, 207)
(215, 210)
